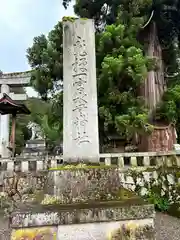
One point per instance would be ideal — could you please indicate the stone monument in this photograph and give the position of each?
(8, 81)
(36, 146)
(80, 116)
(83, 202)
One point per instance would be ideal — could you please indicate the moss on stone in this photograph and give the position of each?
(124, 194)
(121, 195)
(69, 19)
(79, 167)
(151, 169)
(81, 205)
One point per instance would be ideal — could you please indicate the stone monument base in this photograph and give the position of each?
(85, 204)
(36, 147)
(100, 221)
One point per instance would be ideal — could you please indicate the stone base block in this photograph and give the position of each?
(100, 221)
(90, 203)
(134, 230)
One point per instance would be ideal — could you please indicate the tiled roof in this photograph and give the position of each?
(16, 74)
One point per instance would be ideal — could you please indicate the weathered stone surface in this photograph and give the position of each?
(82, 185)
(16, 79)
(24, 183)
(63, 215)
(81, 138)
(84, 194)
(49, 233)
(164, 182)
(85, 184)
(35, 147)
(137, 229)
(36, 143)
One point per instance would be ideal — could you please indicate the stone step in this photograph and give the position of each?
(34, 149)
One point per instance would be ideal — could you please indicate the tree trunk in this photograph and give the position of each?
(154, 85)
(162, 138)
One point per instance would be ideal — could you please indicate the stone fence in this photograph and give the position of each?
(122, 160)
(141, 159)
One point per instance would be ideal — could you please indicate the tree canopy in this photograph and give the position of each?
(121, 65)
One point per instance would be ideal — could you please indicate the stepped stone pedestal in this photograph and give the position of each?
(89, 204)
(35, 147)
(35, 150)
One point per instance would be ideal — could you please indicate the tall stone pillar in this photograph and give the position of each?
(4, 126)
(80, 116)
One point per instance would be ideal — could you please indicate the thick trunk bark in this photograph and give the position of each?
(154, 85)
(150, 98)
(162, 139)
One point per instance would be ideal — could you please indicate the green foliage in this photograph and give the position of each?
(166, 16)
(166, 13)
(169, 108)
(160, 203)
(48, 115)
(122, 67)
(106, 11)
(120, 63)
(45, 58)
(22, 133)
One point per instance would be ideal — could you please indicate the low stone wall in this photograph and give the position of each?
(155, 183)
(74, 185)
(160, 185)
(163, 180)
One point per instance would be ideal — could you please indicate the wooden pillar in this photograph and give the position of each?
(13, 135)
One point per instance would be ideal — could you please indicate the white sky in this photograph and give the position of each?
(20, 22)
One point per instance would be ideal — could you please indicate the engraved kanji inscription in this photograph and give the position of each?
(80, 96)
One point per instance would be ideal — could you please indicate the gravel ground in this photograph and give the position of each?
(167, 228)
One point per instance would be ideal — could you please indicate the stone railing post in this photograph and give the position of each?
(159, 161)
(10, 165)
(121, 162)
(133, 162)
(24, 166)
(108, 161)
(53, 163)
(146, 161)
(177, 160)
(169, 162)
(40, 165)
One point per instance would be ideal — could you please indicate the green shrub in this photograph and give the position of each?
(161, 203)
